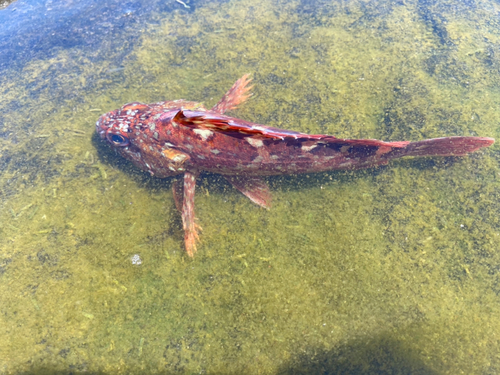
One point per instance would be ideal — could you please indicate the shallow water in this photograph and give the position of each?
(389, 270)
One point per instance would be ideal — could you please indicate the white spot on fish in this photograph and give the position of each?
(308, 148)
(203, 133)
(215, 151)
(255, 142)
(345, 164)
(179, 158)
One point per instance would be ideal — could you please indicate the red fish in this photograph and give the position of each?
(182, 137)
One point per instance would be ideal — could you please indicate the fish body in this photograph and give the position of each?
(182, 137)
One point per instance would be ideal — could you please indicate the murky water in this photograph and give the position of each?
(394, 269)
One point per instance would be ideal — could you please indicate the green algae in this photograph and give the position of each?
(389, 270)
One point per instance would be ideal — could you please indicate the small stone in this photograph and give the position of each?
(136, 259)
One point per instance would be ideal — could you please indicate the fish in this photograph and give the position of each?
(181, 137)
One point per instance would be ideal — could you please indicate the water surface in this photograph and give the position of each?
(390, 270)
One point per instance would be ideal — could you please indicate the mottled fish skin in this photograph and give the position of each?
(166, 138)
(182, 137)
(142, 133)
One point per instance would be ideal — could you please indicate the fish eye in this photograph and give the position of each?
(118, 140)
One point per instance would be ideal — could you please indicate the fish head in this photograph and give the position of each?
(134, 132)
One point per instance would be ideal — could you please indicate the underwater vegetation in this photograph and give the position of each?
(394, 269)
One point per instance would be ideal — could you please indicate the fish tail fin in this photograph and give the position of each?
(448, 146)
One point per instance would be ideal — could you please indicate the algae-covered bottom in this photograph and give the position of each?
(387, 270)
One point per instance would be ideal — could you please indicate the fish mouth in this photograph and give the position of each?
(100, 128)
(104, 123)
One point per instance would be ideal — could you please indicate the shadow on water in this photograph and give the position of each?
(373, 356)
(109, 157)
(380, 355)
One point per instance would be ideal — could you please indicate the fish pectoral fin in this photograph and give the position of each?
(236, 95)
(253, 188)
(178, 192)
(187, 211)
(236, 128)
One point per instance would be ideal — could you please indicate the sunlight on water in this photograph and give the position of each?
(395, 269)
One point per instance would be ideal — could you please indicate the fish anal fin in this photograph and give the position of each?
(236, 95)
(254, 188)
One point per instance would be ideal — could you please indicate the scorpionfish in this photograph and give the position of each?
(182, 137)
